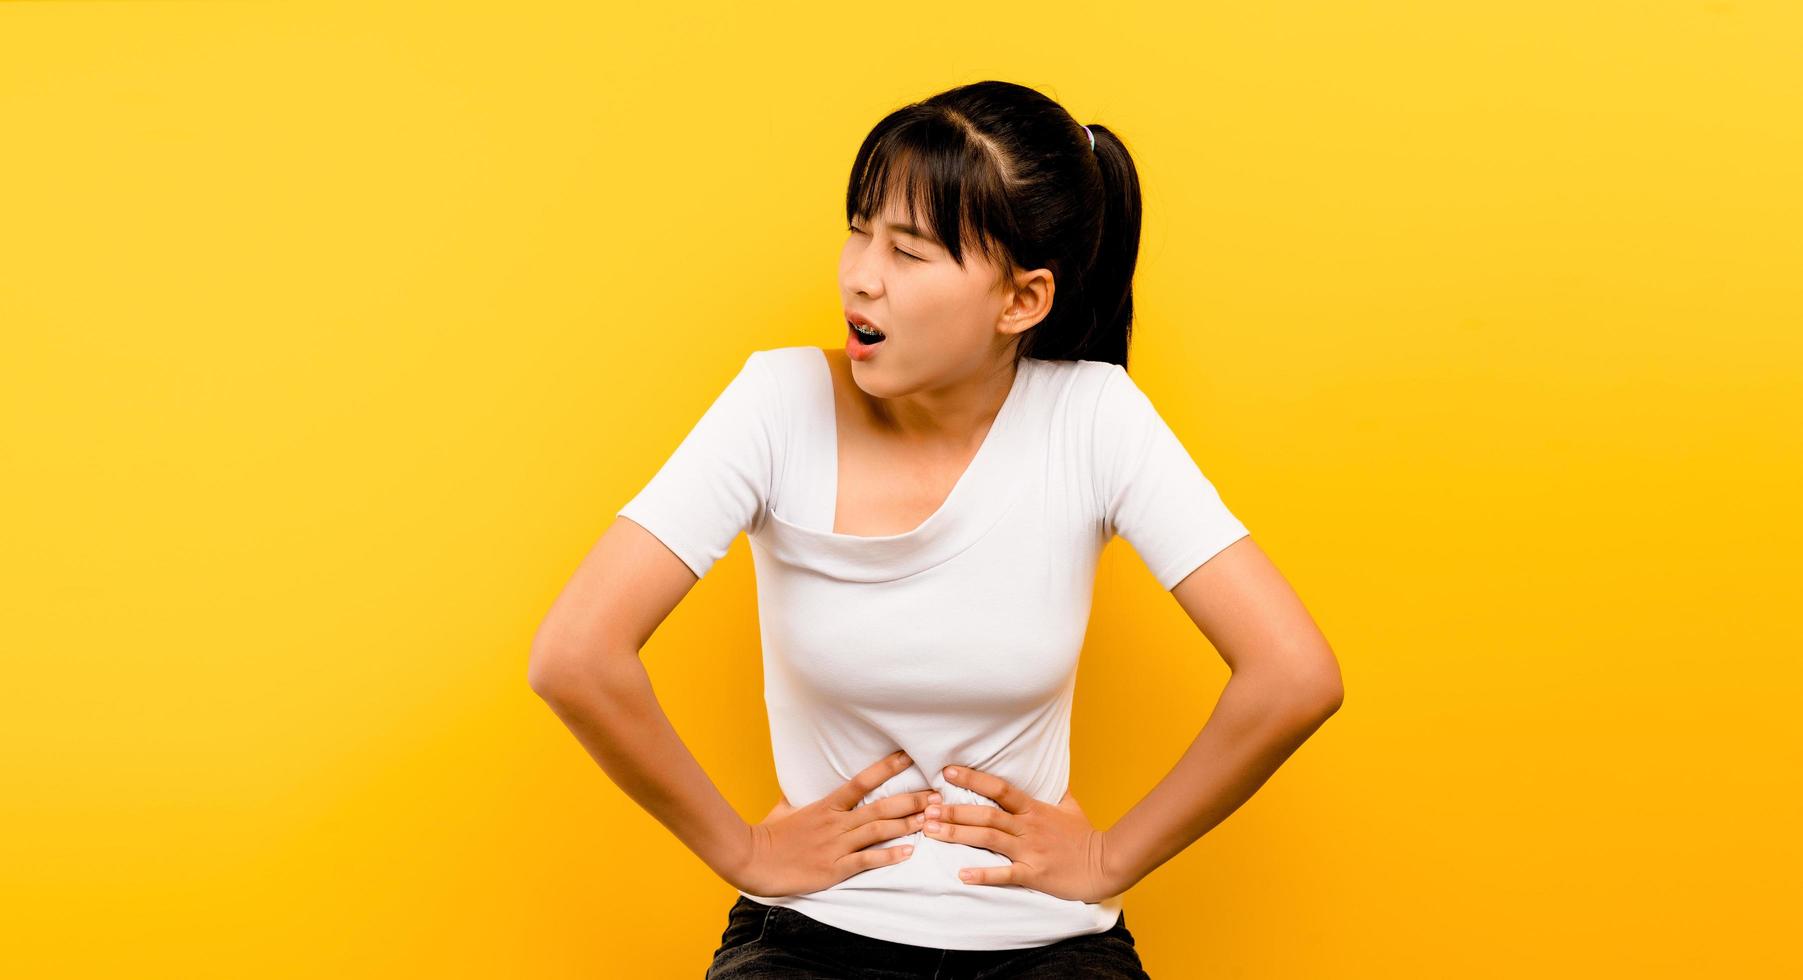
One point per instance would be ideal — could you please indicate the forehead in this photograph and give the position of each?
(895, 218)
(902, 227)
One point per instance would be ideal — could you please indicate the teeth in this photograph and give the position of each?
(866, 331)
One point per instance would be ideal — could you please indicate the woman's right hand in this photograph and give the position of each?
(794, 851)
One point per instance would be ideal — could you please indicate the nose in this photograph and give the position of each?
(858, 275)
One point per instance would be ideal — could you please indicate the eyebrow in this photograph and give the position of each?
(911, 232)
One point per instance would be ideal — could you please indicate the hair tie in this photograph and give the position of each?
(1092, 140)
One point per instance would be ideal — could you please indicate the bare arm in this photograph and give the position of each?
(1285, 684)
(585, 665)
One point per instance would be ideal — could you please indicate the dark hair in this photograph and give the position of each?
(1004, 169)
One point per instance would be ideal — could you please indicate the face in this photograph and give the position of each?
(939, 319)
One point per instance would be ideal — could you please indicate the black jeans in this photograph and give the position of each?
(774, 942)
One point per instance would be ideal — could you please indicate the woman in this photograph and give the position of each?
(926, 509)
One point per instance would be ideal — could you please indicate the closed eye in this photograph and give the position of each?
(854, 230)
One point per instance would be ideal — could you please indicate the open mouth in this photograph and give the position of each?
(865, 335)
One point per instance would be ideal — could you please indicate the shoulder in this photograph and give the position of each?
(767, 376)
(1117, 400)
(788, 390)
(1076, 375)
(1079, 391)
(786, 363)
(788, 379)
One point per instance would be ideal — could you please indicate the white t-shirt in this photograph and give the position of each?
(957, 641)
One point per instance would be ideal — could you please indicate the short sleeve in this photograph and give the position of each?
(1152, 492)
(717, 482)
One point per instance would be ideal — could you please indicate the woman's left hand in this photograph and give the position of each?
(1055, 849)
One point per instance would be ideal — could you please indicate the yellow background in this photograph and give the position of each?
(335, 334)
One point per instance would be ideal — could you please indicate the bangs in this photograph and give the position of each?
(941, 179)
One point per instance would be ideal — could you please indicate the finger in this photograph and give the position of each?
(1007, 874)
(995, 787)
(978, 815)
(878, 831)
(874, 857)
(893, 806)
(864, 783)
(987, 838)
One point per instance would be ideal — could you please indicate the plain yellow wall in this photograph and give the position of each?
(333, 335)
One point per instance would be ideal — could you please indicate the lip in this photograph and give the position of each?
(856, 349)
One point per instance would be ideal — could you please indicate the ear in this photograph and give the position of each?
(1030, 300)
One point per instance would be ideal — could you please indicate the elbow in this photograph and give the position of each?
(548, 673)
(566, 672)
(1312, 692)
(554, 660)
(1327, 696)
(1307, 704)
(1321, 692)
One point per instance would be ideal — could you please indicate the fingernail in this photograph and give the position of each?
(932, 811)
(907, 851)
(933, 825)
(951, 773)
(934, 798)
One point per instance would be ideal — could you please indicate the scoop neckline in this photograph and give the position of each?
(983, 449)
(979, 497)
